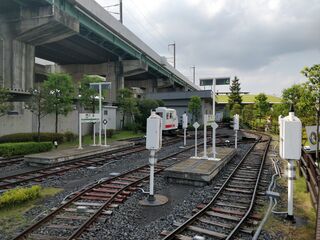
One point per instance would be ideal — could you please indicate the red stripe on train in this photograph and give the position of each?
(169, 125)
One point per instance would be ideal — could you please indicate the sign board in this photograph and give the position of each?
(218, 81)
(104, 85)
(223, 81)
(89, 117)
(214, 125)
(312, 137)
(209, 119)
(196, 125)
(206, 82)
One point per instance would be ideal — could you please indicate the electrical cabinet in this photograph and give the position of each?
(290, 137)
(154, 132)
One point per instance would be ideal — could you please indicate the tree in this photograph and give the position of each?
(236, 109)
(37, 105)
(88, 96)
(144, 108)
(261, 105)
(248, 113)
(234, 96)
(127, 104)
(5, 105)
(313, 84)
(292, 95)
(194, 107)
(60, 92)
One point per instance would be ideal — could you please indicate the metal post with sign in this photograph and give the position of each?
(86, 118)
(105, 122)
(184, 126)
(196, 125)
(100, 86)
(213, 82)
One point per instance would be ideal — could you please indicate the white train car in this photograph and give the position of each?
(169, 118)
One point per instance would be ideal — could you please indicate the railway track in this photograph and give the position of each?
(4, 162)
(80, 210)
(36, 176)
(231, 206)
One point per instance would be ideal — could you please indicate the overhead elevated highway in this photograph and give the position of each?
(81, 38)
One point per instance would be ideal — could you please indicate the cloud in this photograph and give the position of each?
(252, 38)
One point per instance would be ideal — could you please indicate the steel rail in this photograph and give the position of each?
(254, 193)
(30, 229)
(184, 225)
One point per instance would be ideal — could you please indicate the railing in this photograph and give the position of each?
(311, 173)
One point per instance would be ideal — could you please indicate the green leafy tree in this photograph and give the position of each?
(235, 96)
(37, 105)
(144, 109)
(88, 96)
(194, 107)
(60, 92)
(292, 95)
(261, 105)
(127, 105)
(236, 109)
(248, 114)
(5, 105)
(313, 84)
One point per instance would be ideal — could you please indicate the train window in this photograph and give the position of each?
(159, 114)
(168, 115)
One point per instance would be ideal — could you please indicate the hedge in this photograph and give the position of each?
(12, 149)
(32, 137)
(19, 195)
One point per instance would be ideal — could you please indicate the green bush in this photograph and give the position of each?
(19, 195)
(32, 137)
(11, 149)
(135, 127)
(69, 136)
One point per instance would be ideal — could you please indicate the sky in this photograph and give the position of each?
(265, 43)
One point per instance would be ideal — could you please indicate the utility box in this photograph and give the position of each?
(290, 137)
(184, 120)
(154, 132)
(236, 122)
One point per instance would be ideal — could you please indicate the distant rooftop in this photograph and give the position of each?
(247, 98)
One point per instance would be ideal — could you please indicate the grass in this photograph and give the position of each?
(118, 135)
(303, 211)
(247, 98)
(12, 218)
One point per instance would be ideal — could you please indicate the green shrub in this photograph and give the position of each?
(69, 136)
(32, 137)
(135, 127)
(19, 195)
(11, 149)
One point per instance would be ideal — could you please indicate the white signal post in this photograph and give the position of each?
(196, 125)
(105, 122)
(94, 134)
(214, 118)
(154, 144)
(184, 126)
(205, 120)
(290, 149)
(236, 129)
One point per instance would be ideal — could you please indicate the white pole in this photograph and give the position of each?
(152, 160)
(236, 140)
(94, 134)
(100, 108)
(196, 142)
(105, 137)
(214, 118)
(205, 137)
(290, 187)
(185, 137)
(80, 137)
